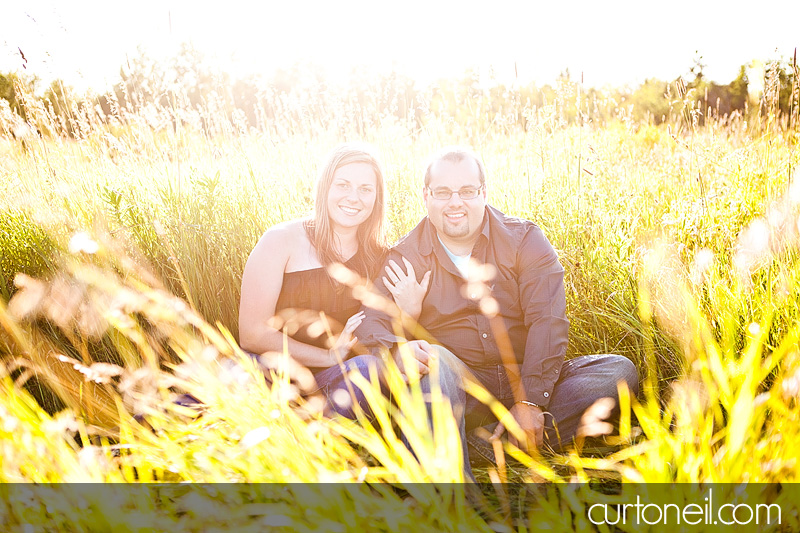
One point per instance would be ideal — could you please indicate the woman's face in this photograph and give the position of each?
(351, 197)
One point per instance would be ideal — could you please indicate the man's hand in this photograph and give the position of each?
(421, 352)
(531, 419)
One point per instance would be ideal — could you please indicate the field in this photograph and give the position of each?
(679, 241)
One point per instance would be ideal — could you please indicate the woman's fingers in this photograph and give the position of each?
(344, 343)
(389, 286)
(397, 274)
(351, 326)
(426, 281)
(391, 273)
(397, 270)
(353, 322)
(407, 274)
(410, 269)
(356, 317)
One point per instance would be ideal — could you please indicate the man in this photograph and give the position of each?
(516, 348)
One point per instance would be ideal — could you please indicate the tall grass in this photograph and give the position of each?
(679, 245)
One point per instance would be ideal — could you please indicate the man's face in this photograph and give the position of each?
(456, 219)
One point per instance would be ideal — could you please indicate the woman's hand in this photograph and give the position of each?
(345, 341)
(406, 291)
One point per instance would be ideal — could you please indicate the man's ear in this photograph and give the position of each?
(425, 193)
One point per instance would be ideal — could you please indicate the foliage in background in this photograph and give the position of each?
(303, 99)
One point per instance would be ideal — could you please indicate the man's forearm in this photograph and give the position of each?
(548, 333)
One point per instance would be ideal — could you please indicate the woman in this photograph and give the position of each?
(286, 273)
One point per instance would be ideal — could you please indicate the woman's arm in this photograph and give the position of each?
(261, 286)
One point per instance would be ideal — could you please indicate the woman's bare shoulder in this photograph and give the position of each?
(287, 233)
(285, 244)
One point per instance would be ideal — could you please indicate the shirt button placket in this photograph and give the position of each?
(483, 325)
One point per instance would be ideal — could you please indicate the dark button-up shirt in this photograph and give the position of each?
(528, 287)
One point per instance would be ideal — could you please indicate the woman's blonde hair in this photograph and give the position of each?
(371, 233)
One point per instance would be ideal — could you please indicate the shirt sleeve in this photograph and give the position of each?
(541, 284)
(376, 332)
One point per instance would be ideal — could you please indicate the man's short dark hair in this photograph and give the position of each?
(455, 154)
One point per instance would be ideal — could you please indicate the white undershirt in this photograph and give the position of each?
(460, 261)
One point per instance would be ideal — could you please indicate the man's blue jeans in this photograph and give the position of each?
(583, 380)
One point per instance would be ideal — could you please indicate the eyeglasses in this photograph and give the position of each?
(465, 193)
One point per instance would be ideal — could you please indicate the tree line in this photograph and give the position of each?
(185, 91)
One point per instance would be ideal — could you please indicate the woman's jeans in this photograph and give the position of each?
(341, 394)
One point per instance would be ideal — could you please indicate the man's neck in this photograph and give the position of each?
(458, 247)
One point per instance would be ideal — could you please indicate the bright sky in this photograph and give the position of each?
(84, 42)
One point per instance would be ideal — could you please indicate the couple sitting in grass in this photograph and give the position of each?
(486, 287)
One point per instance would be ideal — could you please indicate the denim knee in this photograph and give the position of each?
(626, 372)
(365, 364)
(449, 369)
(342, 394)
(621, 370)
(598, 375)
